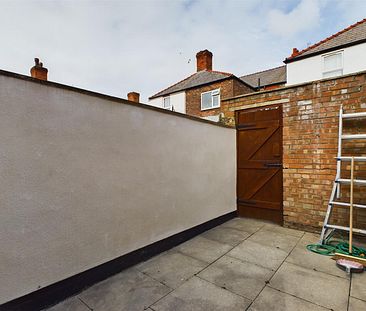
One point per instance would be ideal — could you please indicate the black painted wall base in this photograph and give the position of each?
(59, 291)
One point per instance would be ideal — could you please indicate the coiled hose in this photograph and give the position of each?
(330, 247)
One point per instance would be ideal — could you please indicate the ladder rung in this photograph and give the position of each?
(359, 159)
(354, 136)
(354, 115)
(348, 181)
(347, 204)
(345, 229)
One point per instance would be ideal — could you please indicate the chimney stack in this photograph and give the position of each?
(38, 71)
(295, 52)
(133, 97)
(204, 60)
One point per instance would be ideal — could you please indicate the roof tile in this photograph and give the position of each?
(198, 78)
(267, 77)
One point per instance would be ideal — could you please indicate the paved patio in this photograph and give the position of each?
(243, 264)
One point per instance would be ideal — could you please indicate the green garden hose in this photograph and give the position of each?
(332, 246)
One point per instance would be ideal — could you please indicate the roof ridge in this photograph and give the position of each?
(213, 71)
(250, 74)
(328, 38)
(222, 72)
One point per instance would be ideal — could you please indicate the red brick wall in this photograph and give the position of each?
(310, 131)
(240, 88)
(274, 86)
(228, 88)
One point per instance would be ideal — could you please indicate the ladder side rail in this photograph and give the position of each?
(327, 215)
(339, 153)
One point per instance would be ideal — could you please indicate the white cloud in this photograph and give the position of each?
(305, 16)
(114, 47)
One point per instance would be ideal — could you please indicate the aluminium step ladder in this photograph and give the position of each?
(328, 229)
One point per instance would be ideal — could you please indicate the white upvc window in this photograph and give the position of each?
(166, 102)
(332, 65)
(210, 99)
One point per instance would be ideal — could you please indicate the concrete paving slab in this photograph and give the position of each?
(358, 286)
(71, 304)
(274, 300)
(203, 249)
(242, 271)
(244, 224)
(274, 239)
(226, 235)
(307, 259)
(130, 290)
(263, 255)
(283, 230)
(199, 295)
(172, 268)
(320, 288)
(242, 278)
(310, 238)
(356, 304)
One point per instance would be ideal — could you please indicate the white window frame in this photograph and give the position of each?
(218, 92)
(324, 72)
(170, 105)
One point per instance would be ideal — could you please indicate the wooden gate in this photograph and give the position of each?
(259, 163)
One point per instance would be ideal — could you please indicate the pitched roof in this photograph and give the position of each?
(351, 35)
(197, 79)
(267, 77)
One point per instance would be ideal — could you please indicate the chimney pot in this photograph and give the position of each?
(204, 60)
(133, 97)
(38, 71)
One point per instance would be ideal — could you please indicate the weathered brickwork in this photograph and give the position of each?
(240, 88)
(228, 88)
(310, 137)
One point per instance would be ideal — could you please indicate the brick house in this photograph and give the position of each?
(201, 93)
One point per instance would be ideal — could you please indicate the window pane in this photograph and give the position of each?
(333, 62)
(166, 102)
(206, 101)
(215, 101)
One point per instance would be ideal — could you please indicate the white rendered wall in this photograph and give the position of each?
(215, 118)
(177, 100)
(311, 69)
(86, 179)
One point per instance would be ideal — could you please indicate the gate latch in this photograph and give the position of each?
(273, 164)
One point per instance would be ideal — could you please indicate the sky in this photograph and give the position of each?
(115, 47)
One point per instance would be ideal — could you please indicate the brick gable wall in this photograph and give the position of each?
(228, 88)
(310, 137)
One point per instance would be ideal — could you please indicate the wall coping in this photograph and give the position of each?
(294, 86)
(109, 97)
